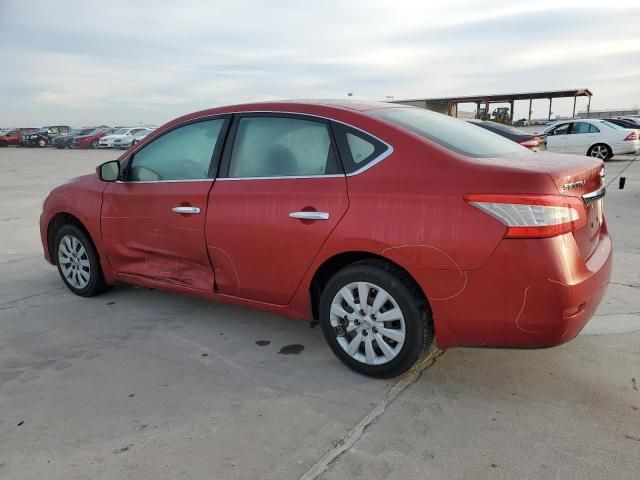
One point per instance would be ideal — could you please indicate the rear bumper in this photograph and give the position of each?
(530, 294)
(627, 147)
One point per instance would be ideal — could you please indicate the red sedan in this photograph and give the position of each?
(91, 140)
(13, 137)
(391, 226)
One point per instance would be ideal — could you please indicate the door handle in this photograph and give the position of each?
(310, 215)
(187, 210)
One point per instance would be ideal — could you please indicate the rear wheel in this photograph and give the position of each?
(601, 151)
(374, 319)
(3, 143)
(78, 262)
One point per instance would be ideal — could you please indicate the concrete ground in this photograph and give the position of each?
(143, 384)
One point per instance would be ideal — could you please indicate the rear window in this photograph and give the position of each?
(451, 133)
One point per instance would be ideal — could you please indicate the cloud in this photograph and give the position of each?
(148, 61)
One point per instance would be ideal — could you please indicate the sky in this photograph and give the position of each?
(145, 62)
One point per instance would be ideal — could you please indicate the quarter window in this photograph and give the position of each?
(357, 148)
(281, 147)
(181, 154)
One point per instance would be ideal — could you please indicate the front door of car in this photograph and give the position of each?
(557, 138)
(581, 137)
(280, 193)
(153, 221)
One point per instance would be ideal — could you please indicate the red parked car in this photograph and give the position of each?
(91, 140)
(13, 137)
(388, 225)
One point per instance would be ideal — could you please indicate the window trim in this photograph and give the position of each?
(229, 117)
(213, 163)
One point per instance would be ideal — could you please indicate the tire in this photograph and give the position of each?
(411, 331)
(94, 144)
(41, 142)
(74, 254)
(3, 143)
(601, 151)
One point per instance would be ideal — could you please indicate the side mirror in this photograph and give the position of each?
(109, 171)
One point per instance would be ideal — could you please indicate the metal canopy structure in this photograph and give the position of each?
(449, 105)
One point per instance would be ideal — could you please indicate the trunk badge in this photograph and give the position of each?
(574, 185)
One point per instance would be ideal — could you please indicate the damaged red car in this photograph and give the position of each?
(390, 226)
(91, 140)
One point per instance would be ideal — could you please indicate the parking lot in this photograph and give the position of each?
(147, 384)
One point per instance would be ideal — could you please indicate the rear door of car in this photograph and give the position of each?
(153, 220)
(581, 137)
(279, 194)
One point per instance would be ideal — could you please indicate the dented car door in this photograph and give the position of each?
(153, 220)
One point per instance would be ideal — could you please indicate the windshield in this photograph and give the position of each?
(451, 133)
(120, 131)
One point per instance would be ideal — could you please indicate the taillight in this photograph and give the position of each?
(632, 136)
(532, 216)
(531, 143)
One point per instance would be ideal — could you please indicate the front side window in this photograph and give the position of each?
(561, 129)
(181, 154)
(451, 133)
(281, 147)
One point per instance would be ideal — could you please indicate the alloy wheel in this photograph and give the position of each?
(600, 151)
(74, 262)
(368, 323)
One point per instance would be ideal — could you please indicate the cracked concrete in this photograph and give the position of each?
(141, 384)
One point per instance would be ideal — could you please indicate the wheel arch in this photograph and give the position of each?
(58, 221)
(339, 261)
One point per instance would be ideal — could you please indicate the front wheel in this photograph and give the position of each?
(601, 151)
(41, 143)
(374, 319)
(94, 144)
(78, 262)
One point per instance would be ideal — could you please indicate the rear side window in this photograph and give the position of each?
(451, 133)
(581, 127)
(181, 154)
(281, 147)
(357, 148)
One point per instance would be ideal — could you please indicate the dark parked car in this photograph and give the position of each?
(624, 123)
(65, 141)
(12, 137)
(532, 142)
(44, 136)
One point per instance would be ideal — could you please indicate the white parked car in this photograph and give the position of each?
(107, 140)
(129, 140)
(592, 137)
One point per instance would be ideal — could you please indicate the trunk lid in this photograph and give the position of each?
(574, 176)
